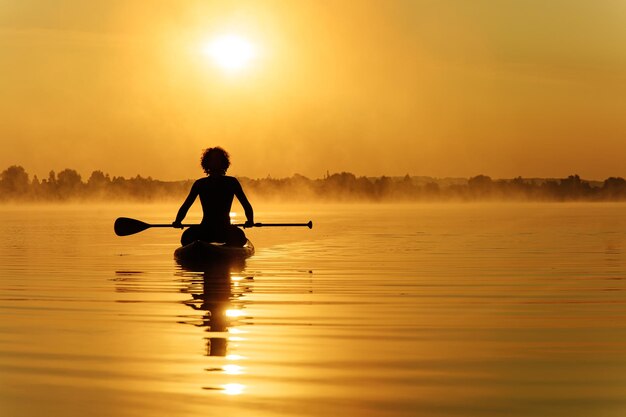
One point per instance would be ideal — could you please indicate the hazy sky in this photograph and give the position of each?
(437, 87)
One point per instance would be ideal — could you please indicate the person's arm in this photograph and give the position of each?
(247, 207)
(182, 212)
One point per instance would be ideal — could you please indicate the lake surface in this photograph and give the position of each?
(407, 310)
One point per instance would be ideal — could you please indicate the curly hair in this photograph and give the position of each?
(215, 161)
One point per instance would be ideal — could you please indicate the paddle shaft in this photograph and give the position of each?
(309, 225)
(125, 226)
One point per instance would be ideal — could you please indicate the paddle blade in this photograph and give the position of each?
(124, 226)
(310, 224)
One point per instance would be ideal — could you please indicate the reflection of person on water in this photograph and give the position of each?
(214, 292)
(216, 192)
(214, 297)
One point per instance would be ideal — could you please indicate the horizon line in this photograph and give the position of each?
(326, 175)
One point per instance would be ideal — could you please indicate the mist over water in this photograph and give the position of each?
(379, 310)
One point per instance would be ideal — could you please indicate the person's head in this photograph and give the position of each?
(215, 161)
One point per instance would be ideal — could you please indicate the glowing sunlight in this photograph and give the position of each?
(231, 52)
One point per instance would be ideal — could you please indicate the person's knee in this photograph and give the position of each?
(236, 237)
(189, 236)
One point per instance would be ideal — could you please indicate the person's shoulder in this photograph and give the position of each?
(231, 179)
(233, 182)
(200, 181)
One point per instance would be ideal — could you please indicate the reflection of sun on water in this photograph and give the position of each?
(232, 369)
(234, 357)
(233, 313)
(233, 389)
(236, 339)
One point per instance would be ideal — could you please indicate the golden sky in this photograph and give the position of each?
(424, 87)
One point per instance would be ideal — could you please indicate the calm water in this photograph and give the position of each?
(415, 310)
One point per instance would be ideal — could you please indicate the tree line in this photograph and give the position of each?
(68, 185)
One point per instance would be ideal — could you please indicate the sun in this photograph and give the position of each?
(231, 52)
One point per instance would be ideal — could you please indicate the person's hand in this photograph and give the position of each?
(248, 223)
(177, 224)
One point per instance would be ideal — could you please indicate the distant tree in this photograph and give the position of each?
(382, 187)
(69, 183)
(573, 188)
(404, 188)
(480, 186)
(342, 186)
(615, 183)
(98, 179)
(571, 181)
(550, 190)
(69, 178)
(431, 189)
(36, 188)
(480, 182)
(517, 188)
(342, 179)
(614, 188)
(14, 181)
(98, 184)
(52, 178)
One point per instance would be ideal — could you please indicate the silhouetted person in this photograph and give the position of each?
(216, 192)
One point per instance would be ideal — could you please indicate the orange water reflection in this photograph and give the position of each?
(217, 290)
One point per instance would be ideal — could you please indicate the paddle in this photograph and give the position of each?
(309, 224)
(124, 226)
